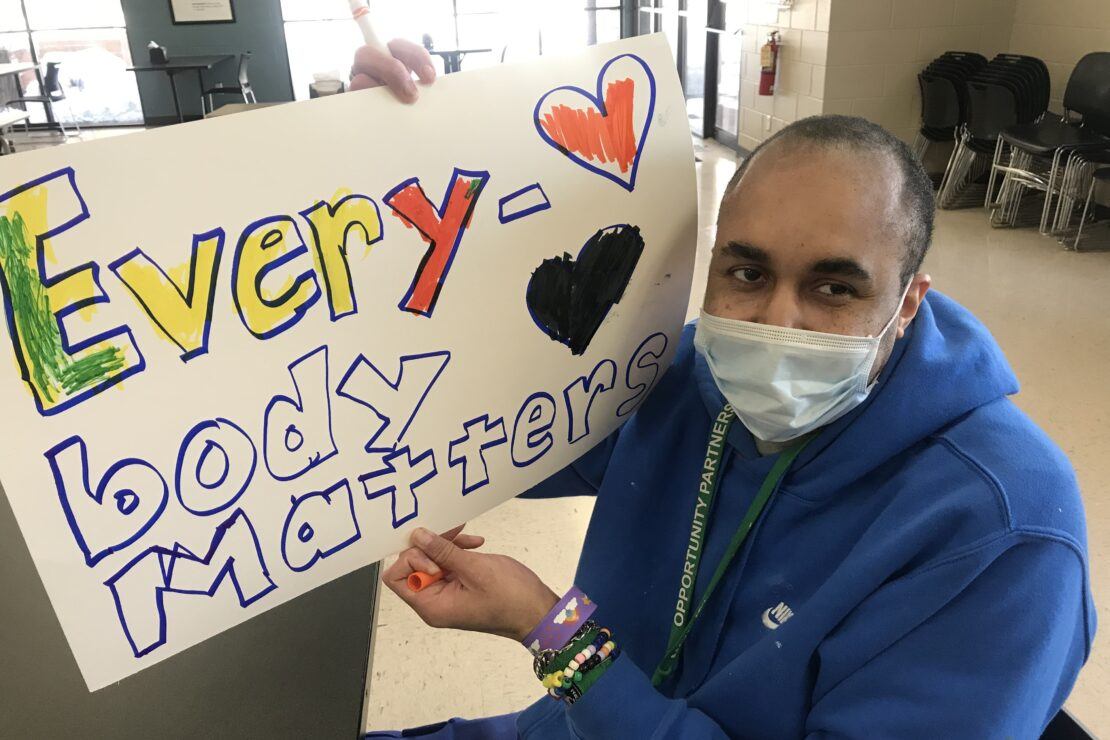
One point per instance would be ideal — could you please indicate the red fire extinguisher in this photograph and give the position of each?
(769, 62)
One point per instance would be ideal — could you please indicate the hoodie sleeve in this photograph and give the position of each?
(996, 658)
(623, 705)
(582, 477)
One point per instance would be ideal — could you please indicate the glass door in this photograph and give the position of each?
(88, 40)
(708, 54)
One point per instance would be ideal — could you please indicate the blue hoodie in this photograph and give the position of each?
(921, 572)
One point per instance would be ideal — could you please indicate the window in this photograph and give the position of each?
(88, 39)
(322, 39)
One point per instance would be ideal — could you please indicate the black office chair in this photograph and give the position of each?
(243, 88)
(53, 92)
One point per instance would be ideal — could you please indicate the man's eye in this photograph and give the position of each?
(836, 289)
(747, 275)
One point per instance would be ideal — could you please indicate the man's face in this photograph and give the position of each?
(809, 240)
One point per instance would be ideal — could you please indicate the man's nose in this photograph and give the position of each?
(782, 309)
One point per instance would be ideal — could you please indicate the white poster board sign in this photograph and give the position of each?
(249, 355)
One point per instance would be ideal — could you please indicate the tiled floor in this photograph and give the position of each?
(1048, 308)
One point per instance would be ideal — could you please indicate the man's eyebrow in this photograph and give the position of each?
(740, 250)
(842, 266)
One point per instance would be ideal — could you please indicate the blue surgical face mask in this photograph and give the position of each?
(784, 383)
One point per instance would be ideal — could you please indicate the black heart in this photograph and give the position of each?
(569, 298)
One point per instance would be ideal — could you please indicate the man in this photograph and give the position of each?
(919, 566)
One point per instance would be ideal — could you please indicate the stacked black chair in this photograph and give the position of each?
(944, 97)
(1010, 90)
(1041, 154)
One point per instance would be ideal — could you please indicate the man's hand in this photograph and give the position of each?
(374, 68)
(478, 592)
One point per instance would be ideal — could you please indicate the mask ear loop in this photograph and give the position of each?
(897, 312)
(879, 339)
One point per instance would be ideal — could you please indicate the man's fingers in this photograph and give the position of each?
(415, 57)
(418, 561)
(380, 66)
(445, 553)
(469, 541)
(451, 534)
(362, 81)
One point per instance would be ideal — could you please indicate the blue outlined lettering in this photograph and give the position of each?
(297, 434)
(524, 202)
(532, 436)
(63, 373)
(646, 371)
(441, 227)
(183, 317)
(215, 464)
(583, 392)
(331, 226)
(406, 474)
(261, 251)
(128, 500)
(139, 588)
(395, 402)
(318, 525)
(469, 450)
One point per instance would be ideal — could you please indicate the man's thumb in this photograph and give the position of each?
(443, 552)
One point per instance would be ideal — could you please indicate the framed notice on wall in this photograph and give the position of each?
(202, 11)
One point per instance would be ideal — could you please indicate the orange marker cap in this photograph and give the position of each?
(419, 580)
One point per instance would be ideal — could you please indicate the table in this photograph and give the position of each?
(452, 58)
(177, 65)
(14, 68)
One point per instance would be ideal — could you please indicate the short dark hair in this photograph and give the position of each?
(858, 134)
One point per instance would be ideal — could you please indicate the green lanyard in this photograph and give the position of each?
(684, 619)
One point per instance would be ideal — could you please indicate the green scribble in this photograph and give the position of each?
(474, 185)
(50, 368)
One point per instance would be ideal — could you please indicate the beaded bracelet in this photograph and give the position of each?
(583, 669)
(541, 664)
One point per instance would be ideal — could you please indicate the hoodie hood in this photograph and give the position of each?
(945, 366)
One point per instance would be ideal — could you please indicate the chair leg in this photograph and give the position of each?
(1049, 191)
(76, 124)
(920, 144)
(988, 203)
(1083, 219)
(1075, 174)
(246, 100)
(942, 191)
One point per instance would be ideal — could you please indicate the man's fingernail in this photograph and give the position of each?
(422, 537)
(428, 72)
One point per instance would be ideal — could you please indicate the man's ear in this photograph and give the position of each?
(919, 286)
